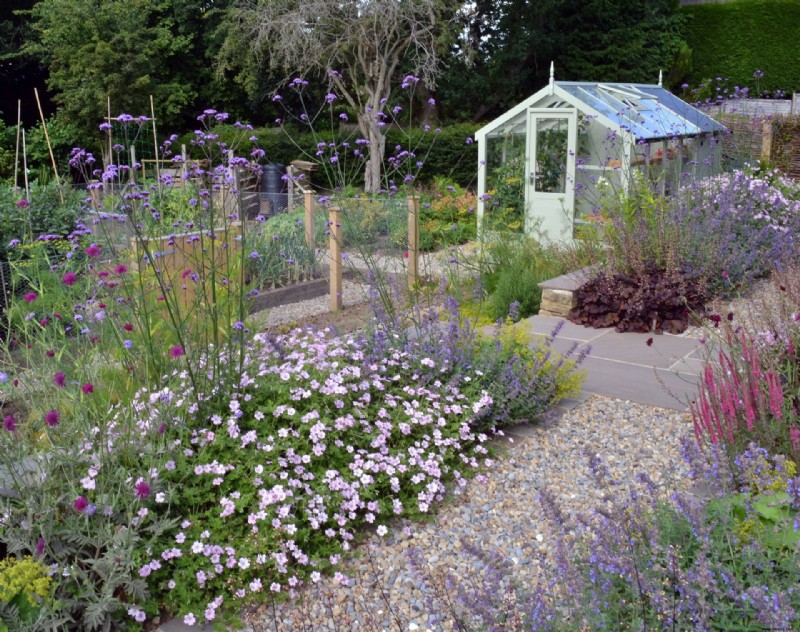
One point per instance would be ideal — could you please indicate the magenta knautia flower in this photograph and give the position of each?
(40, 547)
(9, 423)
(92, 250)
(176, 351)
(30, 297)
(142, 489)
(127, 327)
(69, 279)
(80, 503)
(52, 418)
(60, 379)
(121, 269)
(87, 388)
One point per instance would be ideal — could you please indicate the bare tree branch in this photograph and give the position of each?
(368, 41)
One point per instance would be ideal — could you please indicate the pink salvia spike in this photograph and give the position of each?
(775, 395)
(729, 404)
(794, 438)
(697, 432)
(749, 412)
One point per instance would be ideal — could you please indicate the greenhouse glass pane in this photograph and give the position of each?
(552, 136)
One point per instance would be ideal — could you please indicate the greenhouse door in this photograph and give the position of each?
(550, 158)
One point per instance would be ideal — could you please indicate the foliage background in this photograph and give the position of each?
(737, 38)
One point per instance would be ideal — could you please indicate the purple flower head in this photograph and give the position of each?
(87, 388)
(92, 250)
(23, 203)
(69, 279)
(52, 418)
(176, 351)
(142, 489)
(60, 379)
(40, 547)
(9, 423)
(80, 503)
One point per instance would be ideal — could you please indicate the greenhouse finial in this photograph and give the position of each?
(660, 78)
(552, 76)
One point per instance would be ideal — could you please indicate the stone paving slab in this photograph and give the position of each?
(664, 373)
(663, 352)
(544, 325)
(662, 388)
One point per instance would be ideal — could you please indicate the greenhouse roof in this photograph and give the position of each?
(649, 112)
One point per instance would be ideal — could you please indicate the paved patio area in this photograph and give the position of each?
(623, 366)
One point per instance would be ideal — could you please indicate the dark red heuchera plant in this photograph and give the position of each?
(650, 300)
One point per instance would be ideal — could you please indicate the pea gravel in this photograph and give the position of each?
(497, 511)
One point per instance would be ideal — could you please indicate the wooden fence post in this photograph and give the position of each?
(311, 233)
(336, 237)
(413, 240)
(766, 140)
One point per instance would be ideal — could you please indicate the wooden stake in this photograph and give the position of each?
(25, 166)
(16, 152)
(109, 156)
(49, 146)
(413, 240)
(155, 141)
(132, 166)
(311, 233)
(337, 234)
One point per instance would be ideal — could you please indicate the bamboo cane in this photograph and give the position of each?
(49, 146)
(155, 141)
(16, 151)
(25, 166)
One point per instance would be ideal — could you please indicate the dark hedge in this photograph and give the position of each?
(445, 154)
(735, 39)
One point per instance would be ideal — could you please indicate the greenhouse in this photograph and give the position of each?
(556, 160)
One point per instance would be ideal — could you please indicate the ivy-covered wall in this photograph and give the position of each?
(734, 39)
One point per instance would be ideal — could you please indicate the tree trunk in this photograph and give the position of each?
(374, 165)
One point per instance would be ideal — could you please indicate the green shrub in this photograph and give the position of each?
(516, 265)
(448, 217)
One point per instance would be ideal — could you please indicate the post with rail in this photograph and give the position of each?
(336, 236)
(413, 240)
(311, 236)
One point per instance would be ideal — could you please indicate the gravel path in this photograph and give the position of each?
(498, 512)
(353, 293)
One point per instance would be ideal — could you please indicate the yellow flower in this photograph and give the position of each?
(23, 577)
